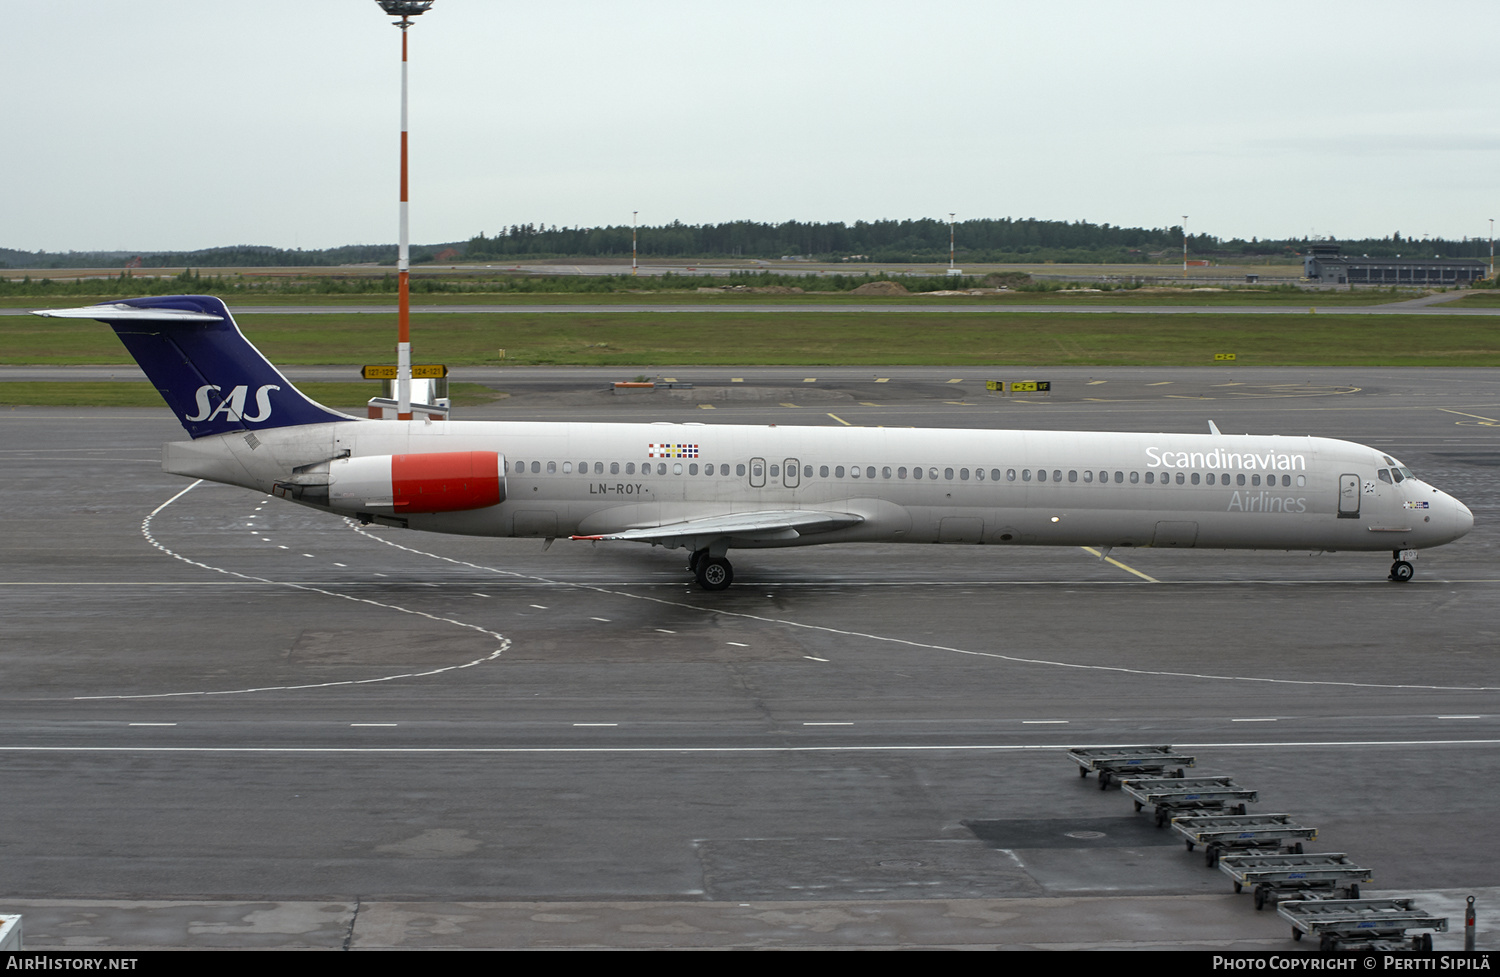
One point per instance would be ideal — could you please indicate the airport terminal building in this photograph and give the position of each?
(1324, 264)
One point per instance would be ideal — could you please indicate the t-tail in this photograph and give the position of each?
(211, 376)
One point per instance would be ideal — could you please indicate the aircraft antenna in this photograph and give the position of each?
(406, 10)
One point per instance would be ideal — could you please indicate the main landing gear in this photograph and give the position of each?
(1402, 570)
(711, 572)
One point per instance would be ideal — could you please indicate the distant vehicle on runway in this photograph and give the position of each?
(709, 488)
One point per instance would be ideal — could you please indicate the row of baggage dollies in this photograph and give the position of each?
(1262, 852)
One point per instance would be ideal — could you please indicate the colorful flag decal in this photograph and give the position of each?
(671, 451)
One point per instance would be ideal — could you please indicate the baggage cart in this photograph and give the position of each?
(1272, 875)
(1169, 794)
(1362, 924)
(1222, 833)
(1110, 763)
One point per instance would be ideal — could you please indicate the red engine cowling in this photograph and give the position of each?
(449, 481)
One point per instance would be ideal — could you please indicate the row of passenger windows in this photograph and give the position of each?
(757, 473)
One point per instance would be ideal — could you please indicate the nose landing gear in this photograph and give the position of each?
(1402, 570)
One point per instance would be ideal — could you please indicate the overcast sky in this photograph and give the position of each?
(180, 124)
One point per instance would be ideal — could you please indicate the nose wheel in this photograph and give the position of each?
(1402, 570)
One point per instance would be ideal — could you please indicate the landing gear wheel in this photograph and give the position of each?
(694, 559)
(714, 573)
(1401, 571)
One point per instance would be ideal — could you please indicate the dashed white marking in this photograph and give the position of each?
(146, 532)
(538, 607)
(813, 659)
(596, 724)
(910, 643)
(374, 724)
(153, 724)
(828, 724)
(1252, 720)
(665, 631)
(1044, 722)
(1460, 717)
(604, 619)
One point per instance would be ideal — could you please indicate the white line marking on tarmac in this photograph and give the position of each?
(146, 532)
(673, 750)
(153, 724)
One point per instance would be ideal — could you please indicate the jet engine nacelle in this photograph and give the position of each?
(449, 481)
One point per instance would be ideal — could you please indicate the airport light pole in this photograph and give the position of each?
(1184, 245)
(1492, 248)
(633, 215)
(406, 10)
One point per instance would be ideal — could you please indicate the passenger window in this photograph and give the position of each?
(854, 471)
(551, 468)
(1057, 476)
(948, 474)
(1073, 476)
(1224, 479)
(838, 471)
(1135, 477)
(1195, 478)
(1254, 479)
(1010, 474)
(1026, 474)
(1150, 478)
(916, 473)
(979, 474)
(536, 468)
(884, 472)
(932, 473)
(1180, 478)
(1119, 477)
(677, 468)
(1088, 477)
(822, 471)
(692, 469)
(870, 472)
(963, 474)
(1301, 480)
(630, 468)
(1041, 474)
(1103, 477)
(756, 470)
(807, 471)
(1286, 481)
(1239, 479)
(614, 468)
(901, 472)
(995, 474)
(1210, 478)
(775, 471)
(567, 468)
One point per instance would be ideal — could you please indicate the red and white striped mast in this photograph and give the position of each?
(406, 10)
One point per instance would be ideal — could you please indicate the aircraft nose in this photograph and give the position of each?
(1463, 519)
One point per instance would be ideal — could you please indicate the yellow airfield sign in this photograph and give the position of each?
(431, 371)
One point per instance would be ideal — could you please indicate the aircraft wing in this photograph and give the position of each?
(759, 525)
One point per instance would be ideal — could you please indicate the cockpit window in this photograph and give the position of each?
(1401, 471)
(1398, 473)
(1383, 475)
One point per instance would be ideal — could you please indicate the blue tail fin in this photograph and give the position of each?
(204, 367)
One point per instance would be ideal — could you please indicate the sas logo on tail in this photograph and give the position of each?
(233, 406)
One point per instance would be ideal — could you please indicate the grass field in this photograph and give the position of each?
(345, 396)
(1122, 297)
(821, 338)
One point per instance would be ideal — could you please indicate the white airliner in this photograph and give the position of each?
(708, 488)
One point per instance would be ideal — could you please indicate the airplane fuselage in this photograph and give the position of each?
(918, 486)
